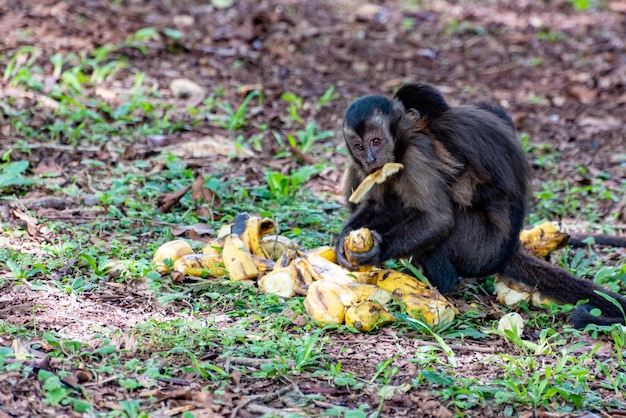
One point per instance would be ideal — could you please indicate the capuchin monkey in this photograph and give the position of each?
(458, 206)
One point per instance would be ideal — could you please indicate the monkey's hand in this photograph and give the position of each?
(370, 257)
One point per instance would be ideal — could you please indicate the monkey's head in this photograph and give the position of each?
(368, 128)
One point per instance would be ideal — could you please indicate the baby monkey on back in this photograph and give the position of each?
(459, 204)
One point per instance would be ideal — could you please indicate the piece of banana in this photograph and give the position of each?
(199, 265)
(281, 282)
(370, 292)
(377, 177)
(326, 252)
(322, 269)
(326, 301)
(399, 284)
(358, 241)
(366, 315)
(545, 238)
(171, 250)
(213, 247)
(238, 260)
(510, 293)
(431, 309)
(274, 246)
(255, 228)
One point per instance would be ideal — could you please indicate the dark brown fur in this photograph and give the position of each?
(459, 204)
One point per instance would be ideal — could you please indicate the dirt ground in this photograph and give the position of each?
(560, 72)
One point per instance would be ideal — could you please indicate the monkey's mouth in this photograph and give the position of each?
(371, 168)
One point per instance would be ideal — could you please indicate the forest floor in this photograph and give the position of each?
(86, 98)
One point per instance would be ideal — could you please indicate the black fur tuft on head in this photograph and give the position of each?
(362, 110)
(427, 100)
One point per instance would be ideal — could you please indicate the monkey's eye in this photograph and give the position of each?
(359, 147)
(376, 141)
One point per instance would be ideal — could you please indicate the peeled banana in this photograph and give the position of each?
(171, 250)
(358, 241)
(366, 315)
(280, 282)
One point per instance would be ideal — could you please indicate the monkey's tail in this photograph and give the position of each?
(561, 286)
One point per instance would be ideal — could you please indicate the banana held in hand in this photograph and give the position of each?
(172, 250)
(358, 241)
(366, 315)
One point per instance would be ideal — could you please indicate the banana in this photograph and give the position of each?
(377, 177)
(320, 268)
(326, 301)
(511, 293)
(326, 252)
(545, 238)
(358, 241)
(274, 246)
(370, 292)
(263, 265)
(172, 250)
(213, 247)
(238, 260)
(200, 265)
(399, 284)
(366, 315)
(255, 228)
(430, 309)
(281, 282)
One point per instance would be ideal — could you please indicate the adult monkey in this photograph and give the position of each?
(459, 204)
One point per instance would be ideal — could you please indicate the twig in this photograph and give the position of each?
(269, 396)
(266, 410)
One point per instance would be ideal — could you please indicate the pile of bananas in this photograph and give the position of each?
(245, 250)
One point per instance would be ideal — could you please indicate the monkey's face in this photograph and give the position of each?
(372, 149)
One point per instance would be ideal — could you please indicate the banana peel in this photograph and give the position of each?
(238, 259)
(275, 246)
(199, 265)
(544, 238)
(366, 315)
(172, 250)
(377, 177)
(326, 302)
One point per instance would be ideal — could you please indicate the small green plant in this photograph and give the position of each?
(12, 173)
(236, 119)
(284, 187)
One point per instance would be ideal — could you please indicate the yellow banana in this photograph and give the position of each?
(377, 177)
(326, 301)
(171, 250)
(510, 293)
(545, 238)
(326, 252)
(370, 292)
(358, 241)
(366, 315)
(200, 265)
(281, 282)
(432, 310)
(320, 268)
(255, 228)
(237, 259)
(263, 265)
(398, 283)
(213, 247)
